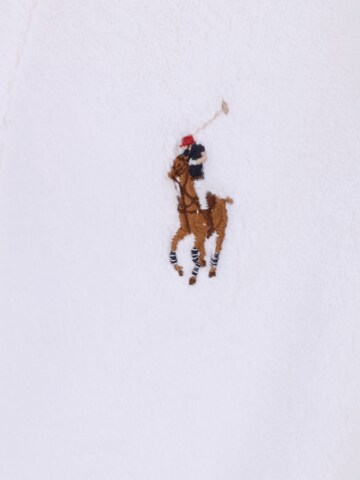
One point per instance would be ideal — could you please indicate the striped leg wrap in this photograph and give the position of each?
(195, 254)
(173, 257)
(196, 269)
(214, 260)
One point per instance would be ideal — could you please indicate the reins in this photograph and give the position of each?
(194, 200)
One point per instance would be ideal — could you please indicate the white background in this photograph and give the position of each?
(112, 366)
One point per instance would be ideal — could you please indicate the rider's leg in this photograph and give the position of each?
(200, 189)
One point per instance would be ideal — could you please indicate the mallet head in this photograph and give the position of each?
(225, 107)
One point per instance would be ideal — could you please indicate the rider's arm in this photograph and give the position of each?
(200, 160)
(203, 158)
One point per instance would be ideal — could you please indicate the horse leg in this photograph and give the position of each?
(215, 257)
(179, 235)
(198, 257)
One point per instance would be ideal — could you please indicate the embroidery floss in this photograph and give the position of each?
(193, 220)
(224, 109)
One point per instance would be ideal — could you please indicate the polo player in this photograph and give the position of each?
(196, 157)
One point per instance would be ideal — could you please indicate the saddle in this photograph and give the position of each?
(210, 198)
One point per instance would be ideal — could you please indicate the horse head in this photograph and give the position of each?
(179, 167)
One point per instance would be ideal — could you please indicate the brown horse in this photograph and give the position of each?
(192, 220)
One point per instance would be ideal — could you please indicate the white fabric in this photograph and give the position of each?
(200, 189)
(112, 366)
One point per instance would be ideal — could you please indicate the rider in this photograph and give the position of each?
(196, 157)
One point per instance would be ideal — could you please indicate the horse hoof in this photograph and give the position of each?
(192, 280)
(212, 273)
(179, 270)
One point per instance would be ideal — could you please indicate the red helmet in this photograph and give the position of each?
(187, 141)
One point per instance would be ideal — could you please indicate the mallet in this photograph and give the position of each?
(224, 109)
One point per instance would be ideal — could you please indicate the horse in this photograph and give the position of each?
(192, 220)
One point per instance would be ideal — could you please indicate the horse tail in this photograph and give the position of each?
(228, 200)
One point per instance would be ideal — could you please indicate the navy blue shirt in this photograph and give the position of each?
(194, 153)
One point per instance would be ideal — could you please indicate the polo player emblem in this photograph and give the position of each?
(201, 213)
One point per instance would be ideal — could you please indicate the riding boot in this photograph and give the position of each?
(208, 218)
